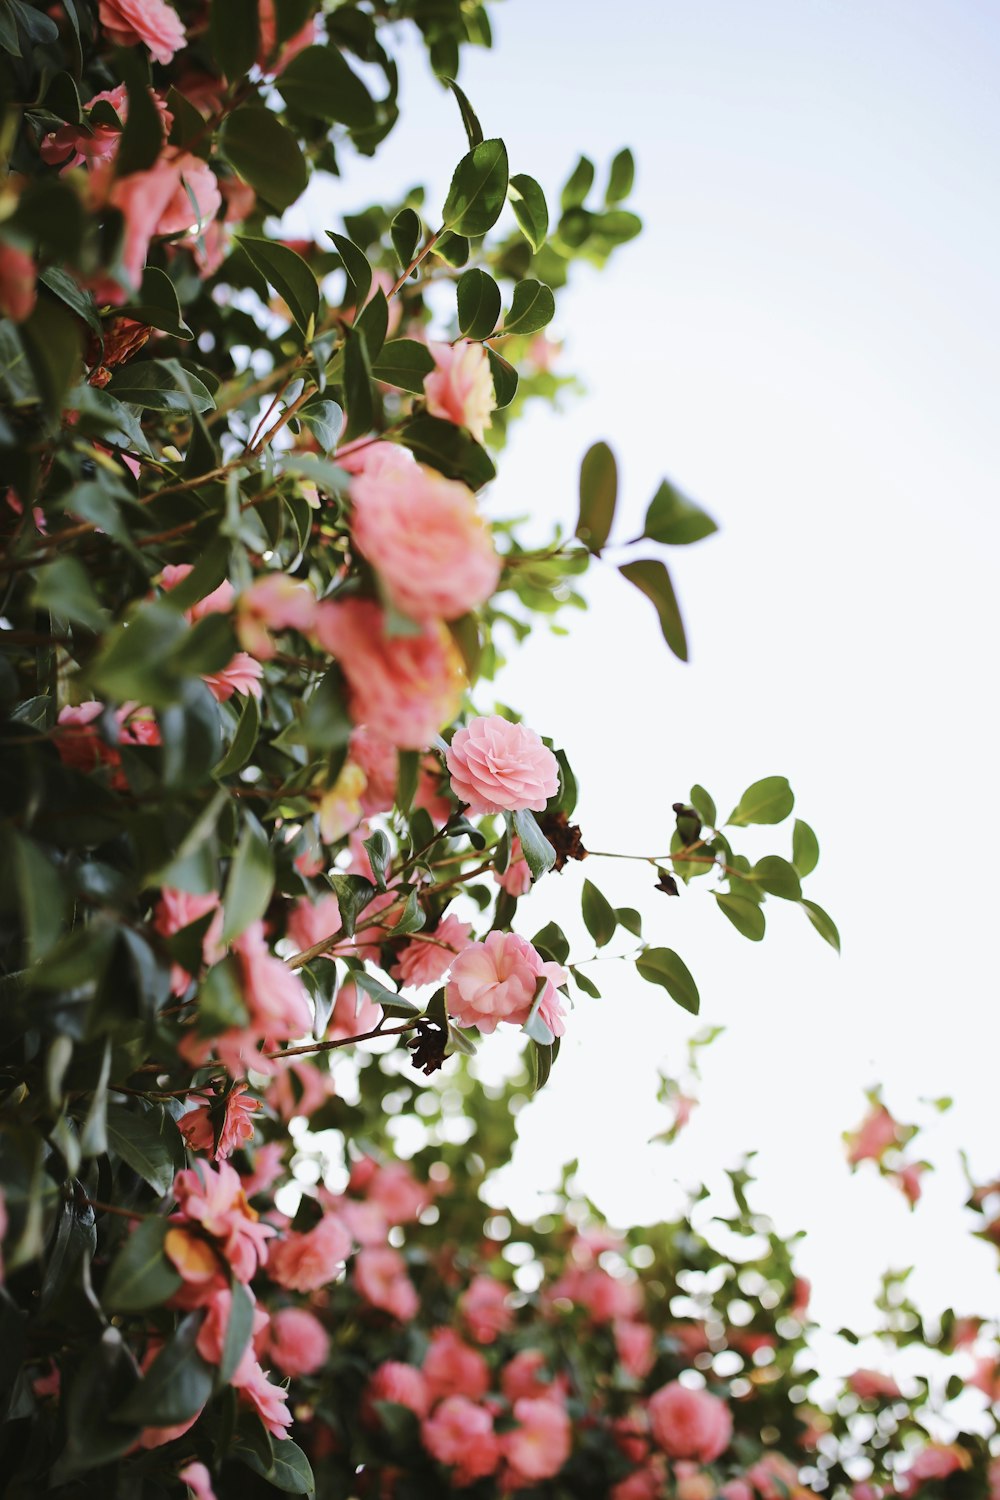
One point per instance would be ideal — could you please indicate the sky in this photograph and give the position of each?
(804, 338)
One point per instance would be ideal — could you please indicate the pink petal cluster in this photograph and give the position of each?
(873, 1385)
(497, 766)
(241, 674)
(17, 282)
(522, 1376)
(353, 1014)
(277, 1006)
(270, 1402)
(877, 1132)
(304, 1262)
(179, 192)
(297, 1341)
(635, 1347)
(266, 59)
(486, 1309)
(230, 1116)
(399, 1383)
(298, 1088)
(425, 538)
(404, 687)
(272, 603)
(198, 1480)
(540, 1444)
(495, 981)
(176, 910)
(396, 1192)
(451, 1367)
(460, 387)
(213, 1199)
(429, 955)
(381, 1280)
(460, 1434)
(690, 1423)
(152, 22)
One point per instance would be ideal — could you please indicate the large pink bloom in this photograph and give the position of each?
(404, 687)
(460, 387)
(17, 282)
(176, 910)
(539, 1446)
(381, 1280)
(427, 957)
(306, 1262)
(426, 540)
(690, 1424)
(450, 1367)
(399, 1383)
(873, 1137)
(297, 1341)
(497, 766)
(152, 22)
(461, 1433)
(495, 981)
(485, 1308)
(213, 1198)
(231, 1117)
(270, 1402)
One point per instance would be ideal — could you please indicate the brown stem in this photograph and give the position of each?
(414, 263)
(347, 1041)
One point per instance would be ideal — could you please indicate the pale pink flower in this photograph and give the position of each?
(907, 1179)
(689, 1424)
(426, 540)
(17, 282)
(427, 957)
(270, 1402)
(873, 1385)
(451, 1367)
(634, 1343)
(460, 1434)
(692, 1483)
(877, 1132)
(397, 1192)
(213, 1198)
(404, 687)
(379, 761)
(274, 994)
(605, 1297)
(178, 909)
(497, 766)
(298, 1088)
(297, 1341)
(240, 675)
(539, 1446)
(399, 1383)
(495, 981)
(373, 459)
(198, 1480)
(460, 387)
(231, 1116)
(268, 1166)
(152, 22)
(485, 1308)
(381, 1280)
(775, 1477)
(353, 1014)
(268, 40)
(306, 1262)
(522, 1376)
(516, 879)
(647, 1483)
(309, 922)
(273, 602)
(367, 1223)
(178, 193)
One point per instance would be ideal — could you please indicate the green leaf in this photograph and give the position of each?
(391, 1001)
(551, 943)
(326, 724)
(630, 919)
(234, 36)
(621, 177)
(587, 985)
(142, 134)
(531, 308)
(535, 847)
(266, 154)
(598, 914)
(63, 286)
(291, 278)
(238, 1330)
(674, 519)
(158, 304)
(652, 579)
(176, 1385)
(746, 916)
(663, 966)
(530, 209)
(449, 449)
(805, 848)
(776, 876)
(405, 230)
(148, 1141)
(244, 740)
(504, 378)
(473, 129)
(51, 339)
(540, 1060)
(288, 1469)
(320, 83)
(534, 1026)
(220, 999)
(404, 363)
(141, 1276)
(767, 801)
(373, 323)
(823, 923)
(251, 880)
(453, 248)
(42, 895)
(598, 496)
(357, 388)
(353, 893)
(578, 184)
(356, 268)
(478, 304)
(408, 779)
(703, 805)
(160, 385)
(63, 587)
(379, 854)
(478, 190)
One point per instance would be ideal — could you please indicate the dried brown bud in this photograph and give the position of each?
(564, 837)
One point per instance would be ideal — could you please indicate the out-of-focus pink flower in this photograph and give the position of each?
(397, 1192)
(736, 1489)
(241, 674)
(271, 603)
(349, 1017)
(309, 922)
(485, 1308)
(213, 1198)
(460, 387)
(426, 540)
(690, 1424)
(634, 1343)
(497, 766)
(495, 981)
(877, 1132)
(607, 1298)
(801, 1292)
(907, 1179)
(178, 193)
(647, 1483)
(451, 1367)
(306, 1262)
(273, 993)
(522, 1376)
(516, 879)
(399, 1383)
(230, 1118)
(153, 23)
(198, 1481)
(540, 1444)
(270, 1402)
(270, 60)
(692, 1483)
(314, 1087)
(176, 910)
(873, 1385)
(428, 956)
(379, 761)
(268, 1166)
(936, 1461)
(460, 1434)
(774, 1477)
(17, 282)
(381, 1280)
(297, 1341)
(404, 687)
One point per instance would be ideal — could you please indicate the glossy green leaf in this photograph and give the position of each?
(391, 1002)
(357, 388)
(149, 1141)
(767, 801)
(598, 914)
(805, 848)
(473, 129)
(552, 943)
(823, 923)
(176, 1385)
(703, 806)
(448, 449)
(379, 854)
(534, 1026)
(244, 740)
(478, 304)
(142, 132)
(621, 177)
(663, 966)
(288, 274)
(405, 231)
(141, 1276)
(746, 916)
(504, 378)
(63, 586)
(578, 184)
(288, 1469)
(220, 999)
(586, 985)
(405, 364)
(357, 269)
(320, 82)
(234, 36)
(674, 519)
(478, 189)
(776, 876)
(251, 880)
(535, 847)
(532, 307)
(239, 1327)
(266, 154)
(652, 579)
(530, 209)
(598, 496)
(160, 385)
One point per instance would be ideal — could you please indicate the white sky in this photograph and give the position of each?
(805, 339)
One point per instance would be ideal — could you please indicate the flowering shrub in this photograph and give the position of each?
(252, 776)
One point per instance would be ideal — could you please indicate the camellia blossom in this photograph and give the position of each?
(495, 981)
(399, 1383)
(428, 956)
(269, 1401)
(152, 22)
(306, 1262)
(273, 602)
(198, 1480)
(460, 387)
(230, 1117)
(17, 282)
(460, 1433)
(540, 1444)
(516, 879)
(179, 192)
(426, 540)
(497, 766)
(486, 1309)
(450, 1367)
(690, 1424)
(877, 1132)
(213, 1199)
(404, 687)
(381, 1280)
(176, 910)
(297, 1341)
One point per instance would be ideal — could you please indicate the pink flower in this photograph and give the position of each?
(426, 540)
(213, 1198)
(404, 687)
(497, 766)
(152, 22)
(381, 1280)
(873, 1137)
(353, 1014)
(297, 1341)
(310, 922)
(907, 1179)
(634, 1343)
(310, 1089)
(873, 1385)
(689, 1424)
(399, 1383)
(516, 879)
(647, 1483)
(269, 40)
(198, 1481)
(450, 1367)
(495, 981)
(268, 1166)
(460, 1433)
(230, 1117)
(936, 1461)
(273, 602)
(485, 1309)
(522, 1376)
(241, 675)
(460, 387)
(379, 761)
(178, 193)
(17, 282)
(176, 910)
(775, 1477)
(270, 1402)
(306, 1262)
(397, 1193)
(273, 993)
(539, 1446)
(429, 956)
